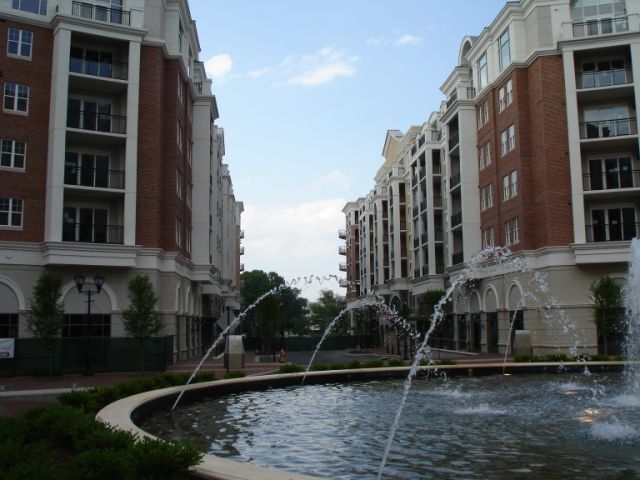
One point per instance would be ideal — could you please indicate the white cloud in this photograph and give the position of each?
(218, 66)
(295, 241)
(261, 72)
(319, 68)
(376, 41)
(408, 39)
(334, 179)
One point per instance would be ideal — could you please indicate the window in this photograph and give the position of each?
(178, 232)
(19, 42)
(92, 115)
(610, 173)
(14, 153)
(10, 212)
(484, 155)
(483, 71)
(188, 240)
(180, 89)
(92, 62)
(488, 237)
(508, 140)
(77, 325)
(486, 197)
(504, 50)
(514, 183)
(179, 136)
(188, 195)
(509, 89)
(179, 183)
(505, 95)
(8, 325)
(506, 193)
(88, 224)
(511, 232)
(16, 97)
(512, 137)
(32, 6)
(612, 224)
(483, 113)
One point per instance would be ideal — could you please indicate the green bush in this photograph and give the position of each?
(556, 357)
(398, 362)
(319, 367)
(235, 374)
(446, 361)
(290, 368)
(354, 364)
(157, 459)
(99, 464)
(373, 363)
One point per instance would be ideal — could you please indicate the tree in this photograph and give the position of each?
(140, 320)
(608, 312)
(326, 309)
(47, 312)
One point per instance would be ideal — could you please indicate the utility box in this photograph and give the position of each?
(235, 353)
(522, 343)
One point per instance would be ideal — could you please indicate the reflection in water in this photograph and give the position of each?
(552, 427)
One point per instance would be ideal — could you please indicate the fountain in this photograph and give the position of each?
(587, 426)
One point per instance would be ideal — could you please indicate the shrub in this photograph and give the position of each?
(556, 357)
(446, 361)
(235, 374)
(98, 464)
(290, 368)
(354, 364)
(318, 367)
(398, 362)
(373, 363)
(600, 357)
(157, 459)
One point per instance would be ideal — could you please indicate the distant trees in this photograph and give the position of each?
(325, 309)
(47, 312)
(140, 319)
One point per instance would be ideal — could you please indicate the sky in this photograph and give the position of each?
(307, 90)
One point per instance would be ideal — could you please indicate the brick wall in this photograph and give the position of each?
(29, 185)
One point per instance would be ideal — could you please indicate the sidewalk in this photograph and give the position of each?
(21, 394)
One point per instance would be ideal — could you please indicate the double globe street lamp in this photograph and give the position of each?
(88, 290)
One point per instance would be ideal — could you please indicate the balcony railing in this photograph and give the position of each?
(454, 140)
(105, 69)
(94, 177)
(456, 218)
(612, 232)
(602, 26)
(96, 122)
(608, 128)
(455, 180)
(611, 180)
(91, 233)
(100, 13)
(343, 267)
(342, 233)
(603, 78)
(342, 250)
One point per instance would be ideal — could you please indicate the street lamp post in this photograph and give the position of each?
(98, 282)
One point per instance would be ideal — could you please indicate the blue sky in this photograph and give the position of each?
(307, 90)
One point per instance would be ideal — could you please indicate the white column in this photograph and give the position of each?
(131, 147)
(57, 135)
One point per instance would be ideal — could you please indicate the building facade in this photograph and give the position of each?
(534, 149)
(112, 164)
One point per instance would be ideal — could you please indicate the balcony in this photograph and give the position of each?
(92, 233)
(342, 267)
(612, 232)
(343, 283)
(94, 177)
(604, 78)
(97, 68)
(454, 140)
(342, 233)
(456, 218)
(611, 180)
(241, 251)
(601, 26)
(96, 122)
(608, 128)
(342, 250)
(455, 180)
(241, 234)
(241, 267)
(100, 13)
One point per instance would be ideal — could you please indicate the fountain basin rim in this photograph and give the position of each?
(120, 414)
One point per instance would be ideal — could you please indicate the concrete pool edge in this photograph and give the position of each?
(121, 413)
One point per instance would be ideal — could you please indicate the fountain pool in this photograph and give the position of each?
(501, 427)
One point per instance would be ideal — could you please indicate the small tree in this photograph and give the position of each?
(47, 312)
(140, 319)
(608, 312)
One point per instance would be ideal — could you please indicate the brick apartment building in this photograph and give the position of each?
(534, 148)
(112, 165)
